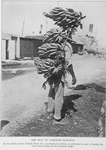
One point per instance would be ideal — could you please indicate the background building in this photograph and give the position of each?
(10, 46)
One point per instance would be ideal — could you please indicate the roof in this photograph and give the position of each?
(77, 39)
(37, 37)
(8, 36)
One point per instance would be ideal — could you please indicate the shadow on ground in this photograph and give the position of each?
(69, 104)
(97, 87)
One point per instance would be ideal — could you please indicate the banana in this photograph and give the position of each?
(59, 47)
(59, 23)
(51, 49)
(58, 9)
(72, 21)
(83, 17)
(46, 66)
(80, 14)
(67, 19)
(47, 15)
(57, 18)
(52, 52)
(54, 15)
(39, 71)
(76, 14)
(64, 19)
(81, 26)
(48, 45)
(60, 40)
(54, 45)
(44, 71)
(48, 34)
(44, 40)
(49, 39)
(53, 12)
(52, 55)
(56, 22)
(70, 10)
(56, 39)
(36, 59)
(72, 14)
(42, 48)
(49, 60)
(60, 13)
(54, 36)
(39, 65)
(40, 52)
(70, 17)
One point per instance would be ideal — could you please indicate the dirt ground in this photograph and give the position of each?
(82, 104)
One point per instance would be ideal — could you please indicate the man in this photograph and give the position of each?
(68, 58)
(56, 91)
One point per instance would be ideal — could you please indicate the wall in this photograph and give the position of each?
(36, 43)
(3, 53)
(29, 47)
(10, 46)
(77, 48)
(26, 47)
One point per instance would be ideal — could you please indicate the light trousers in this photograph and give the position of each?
(55, 99)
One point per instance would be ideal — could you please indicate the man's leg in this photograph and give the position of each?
(59, 93)
(51, 97)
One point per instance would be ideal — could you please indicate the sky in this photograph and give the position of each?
(29, 14)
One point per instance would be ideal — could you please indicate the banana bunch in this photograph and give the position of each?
(46, 66)
(54, 36)
(50, 50)
(51, 55)
(66, 19)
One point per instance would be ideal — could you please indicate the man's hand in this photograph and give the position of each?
(74, 80)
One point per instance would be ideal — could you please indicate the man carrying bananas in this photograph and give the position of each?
(56, 91)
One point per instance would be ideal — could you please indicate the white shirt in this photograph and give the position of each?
(68, 57)
(68, 52)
